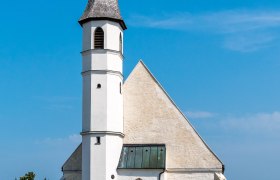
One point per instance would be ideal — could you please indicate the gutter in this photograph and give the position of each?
(159, 176)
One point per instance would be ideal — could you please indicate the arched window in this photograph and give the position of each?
(99, 38)
(121, 43)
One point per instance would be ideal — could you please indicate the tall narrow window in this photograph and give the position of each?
(121, 43)
(98, 141)
(120, 88)
(99, 38)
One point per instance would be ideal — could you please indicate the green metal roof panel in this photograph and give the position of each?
(146, 156)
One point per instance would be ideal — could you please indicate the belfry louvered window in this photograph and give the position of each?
(99, 38)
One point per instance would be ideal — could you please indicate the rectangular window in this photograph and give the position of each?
(98, 140)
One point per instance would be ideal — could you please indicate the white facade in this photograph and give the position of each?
(102, 101)
(192, 176)
(146, 174)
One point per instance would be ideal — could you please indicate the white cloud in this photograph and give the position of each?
(242, 21)
(244, 30)
(260, 123)
(200, 114)
(176, 21)
(55, 99)
(61, 103)
(264, 123)
(248, 43)
(71, 139)
(220, 22)
(75, 138)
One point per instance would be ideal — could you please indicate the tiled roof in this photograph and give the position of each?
(142, 157)
(97, 9)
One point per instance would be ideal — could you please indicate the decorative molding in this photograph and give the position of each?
(89, 72)
(193, 170)
(102, 133)
(102, 51)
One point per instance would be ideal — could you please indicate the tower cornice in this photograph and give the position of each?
(121, 22)
(102, 51)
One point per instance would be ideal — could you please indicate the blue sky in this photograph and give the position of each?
(219, 61)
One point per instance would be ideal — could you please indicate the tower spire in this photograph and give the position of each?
(102, 10)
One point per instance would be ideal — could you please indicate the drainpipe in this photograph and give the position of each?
(159, 176)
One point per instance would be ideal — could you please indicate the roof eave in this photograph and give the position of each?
(120, 21)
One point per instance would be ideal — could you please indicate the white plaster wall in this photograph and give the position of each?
(114, 104)
(86, 110)
(87, 36)
(128, 174)
(189, 176)
(94, 102)
(143, 174)
(113, 35)
(87, 62)
(98, 159)
(98, 102)
(113, 152)
(102, 60)
(102, 107)
(86, 154)
(94, 158)
(112, 31)
(115, 62)
(101, 159)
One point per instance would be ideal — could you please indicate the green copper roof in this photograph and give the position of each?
(142, 157)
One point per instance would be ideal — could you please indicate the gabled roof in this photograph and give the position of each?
(151, 116)
(142, 156)
(102, 9)
(74, 162)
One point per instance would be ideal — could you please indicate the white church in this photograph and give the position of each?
(131, 130)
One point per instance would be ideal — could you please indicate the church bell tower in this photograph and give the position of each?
(102, 72)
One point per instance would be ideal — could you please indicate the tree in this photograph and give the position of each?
(28, 176)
